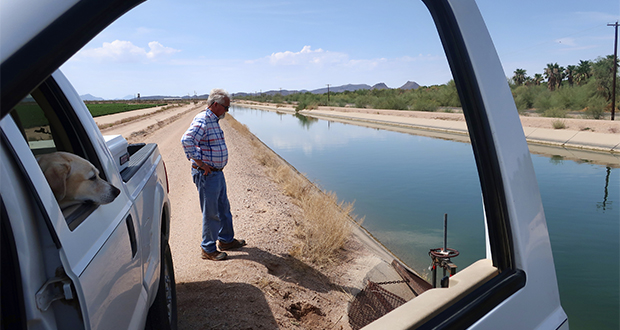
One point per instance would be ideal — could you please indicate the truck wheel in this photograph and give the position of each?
(163, 313)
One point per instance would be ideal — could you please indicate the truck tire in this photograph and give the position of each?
(163, 313)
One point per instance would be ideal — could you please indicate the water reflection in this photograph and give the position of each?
(305, 121)
(556, 160)
(605, 204)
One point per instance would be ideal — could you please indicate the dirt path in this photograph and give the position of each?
(261, 286)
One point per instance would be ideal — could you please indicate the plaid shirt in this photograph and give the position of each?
(204, 140)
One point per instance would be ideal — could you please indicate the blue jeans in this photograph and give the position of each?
(216, 216)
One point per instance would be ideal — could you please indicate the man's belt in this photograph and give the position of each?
(213, 169)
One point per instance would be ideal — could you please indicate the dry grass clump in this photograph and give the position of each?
(328, 223)
(326, 230)
(559, 124)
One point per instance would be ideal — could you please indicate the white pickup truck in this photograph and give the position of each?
(90, 266)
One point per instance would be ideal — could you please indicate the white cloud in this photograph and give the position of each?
(307, 56)
(158, 50)
(126, 51)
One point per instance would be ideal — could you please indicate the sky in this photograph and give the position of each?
(187, 47)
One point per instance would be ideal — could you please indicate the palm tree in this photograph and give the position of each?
(570, 74)
(554, 74)
(538, 78)
(583, 72)
(520, 77)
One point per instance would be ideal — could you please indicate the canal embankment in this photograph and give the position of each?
(595, 140)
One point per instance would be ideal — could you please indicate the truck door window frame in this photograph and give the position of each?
(475, 305)
(65, 130)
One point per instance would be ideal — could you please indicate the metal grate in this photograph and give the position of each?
(372, 303)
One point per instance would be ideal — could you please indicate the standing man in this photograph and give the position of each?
(205, 147)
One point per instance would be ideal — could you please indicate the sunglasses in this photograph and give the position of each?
(225, 107)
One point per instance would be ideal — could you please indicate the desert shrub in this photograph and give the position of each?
(424, 104)
(301, 105)
(596, 107)
(555, 113)
(524, 97)
(448, 96)
(558, 124)
(363, 101)
(544, 101)
(395, 102)
(277, 98)
(578, 97)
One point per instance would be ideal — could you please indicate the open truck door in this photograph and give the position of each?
(515, 287)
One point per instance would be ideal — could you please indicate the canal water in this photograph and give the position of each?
(403, 184)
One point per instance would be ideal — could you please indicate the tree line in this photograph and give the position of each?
(584, 87)
(425, 98)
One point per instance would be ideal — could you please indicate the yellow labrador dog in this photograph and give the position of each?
(74, 180)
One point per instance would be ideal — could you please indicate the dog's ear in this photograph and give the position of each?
(56, 176)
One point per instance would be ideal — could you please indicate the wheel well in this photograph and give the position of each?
(165, 223)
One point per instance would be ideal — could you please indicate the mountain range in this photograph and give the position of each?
(335, 89)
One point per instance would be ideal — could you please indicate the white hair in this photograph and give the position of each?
(217, 95)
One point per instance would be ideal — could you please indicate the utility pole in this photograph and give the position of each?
(327, 92)
(613, 81)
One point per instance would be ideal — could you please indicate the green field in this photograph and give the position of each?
(102, 109)
(30, 113)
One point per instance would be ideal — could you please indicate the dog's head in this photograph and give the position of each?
(75, 180)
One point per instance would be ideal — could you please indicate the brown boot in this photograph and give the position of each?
(215, 255)
(235, 244)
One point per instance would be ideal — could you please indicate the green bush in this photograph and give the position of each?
(363, 101)
(395, 103)
(544, 101)
(555, 113)
(524, 97)
(596, 107)
(300, 106)
(425, 105)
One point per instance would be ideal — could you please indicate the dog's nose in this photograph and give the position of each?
(115, 191)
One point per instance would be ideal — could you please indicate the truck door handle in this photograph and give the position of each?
(132, 236)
